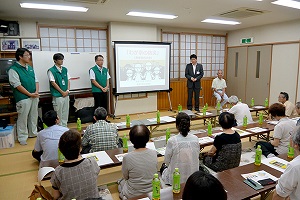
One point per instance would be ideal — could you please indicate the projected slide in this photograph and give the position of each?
(142, 67)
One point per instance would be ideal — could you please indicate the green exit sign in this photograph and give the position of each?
(247, 40)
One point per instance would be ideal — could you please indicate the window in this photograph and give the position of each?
(73, 39)
(209, 49)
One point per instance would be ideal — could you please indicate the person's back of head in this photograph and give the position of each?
(50, 118)
(139, 136)
(226, 120)
(70, 144)
(183, 123)
(233, 99)
(277, 109)
(202, 185)
(100, 113)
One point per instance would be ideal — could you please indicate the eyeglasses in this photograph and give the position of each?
(27, 55)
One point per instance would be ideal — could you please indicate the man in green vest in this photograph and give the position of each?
(100, 82)
(59, 79)
(25, 86)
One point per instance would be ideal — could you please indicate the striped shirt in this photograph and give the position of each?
(101, 136)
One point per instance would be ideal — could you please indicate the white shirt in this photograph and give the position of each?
(240, 110)
(181, 152)
(93, 76)
(289, 108)
(289, 182)
(194, 68)
(282, 132)
(51, 77)
(219, 84)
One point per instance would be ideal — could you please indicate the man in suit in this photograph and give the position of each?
(193, 73)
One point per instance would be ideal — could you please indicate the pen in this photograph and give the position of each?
(251, 181)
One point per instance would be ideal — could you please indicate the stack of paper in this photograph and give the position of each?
(241, 132)
(273, 122)
(161, 150)
(205, 140)
(276, 163)
(167, 119)
(258, 107)
(101, 157)
(257, 129)
(120, 156)
(207, 113)
(259, 175)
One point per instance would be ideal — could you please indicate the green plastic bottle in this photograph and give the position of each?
(204, 111)
(209, 129)
(291, 152)
(39, 198)
(168, 134)
(61, 157)
(176, 181)
(78, 124)
(218, 105)
(260, 118)
(155, 188)
(252, 102)
(245, 121)
(179, 108)
(206, 105)
(258, 153)
(45, 126)
(266, 102)
(127, 121)
(125, 143)
(158, 116)
(241, 100)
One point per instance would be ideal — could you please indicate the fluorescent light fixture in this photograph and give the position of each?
(53, 7)
(219, 21)
(152, 15)
(287, 3)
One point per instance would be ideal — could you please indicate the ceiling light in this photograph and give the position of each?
(219, 21)
(152, 15)
(287, 3)
(53, 7)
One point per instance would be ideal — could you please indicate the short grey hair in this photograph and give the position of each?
(298, 105)
(100, 113)
(296, 137)
(233, 99)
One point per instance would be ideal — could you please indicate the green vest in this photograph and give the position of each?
(61, 79)
(101, 78)
(27, 79)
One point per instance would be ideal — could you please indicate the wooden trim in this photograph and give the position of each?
(297, 74)
(67, 26)
(132, 98)
(264, 44)
(206, 34)
(225, 57)
(271, 62)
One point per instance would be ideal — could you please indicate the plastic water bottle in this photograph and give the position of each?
(158, 116)
(125, 143)
(258, 153)
(252, 102)
(204, 111)
(78, 124)
(206, 105)
(266, 102)
(290, 152)
(245, 121)
(209, 129)
(39, 198)
(168, 134)
(260, 118)
(155, 188)
(176, 181)
(45, 126)
(218, 106)
(179, 108)
(127, 121)
(240, 100)
(61, 157)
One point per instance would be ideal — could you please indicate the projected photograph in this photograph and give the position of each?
(142, 67)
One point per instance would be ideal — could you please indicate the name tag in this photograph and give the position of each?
(63, 82)
(198, 73)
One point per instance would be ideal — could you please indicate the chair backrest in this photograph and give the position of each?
(229, 156)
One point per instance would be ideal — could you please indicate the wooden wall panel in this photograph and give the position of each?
(179, 94)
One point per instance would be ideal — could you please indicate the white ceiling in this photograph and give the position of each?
(190, 12)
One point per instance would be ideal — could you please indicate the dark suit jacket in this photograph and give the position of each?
(189, 73)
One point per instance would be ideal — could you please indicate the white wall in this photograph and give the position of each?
(132, 32)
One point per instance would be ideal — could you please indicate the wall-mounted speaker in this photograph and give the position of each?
(13, 29)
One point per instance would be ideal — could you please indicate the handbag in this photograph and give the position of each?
(40, 192)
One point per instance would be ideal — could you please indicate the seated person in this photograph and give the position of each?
(101, 135)
(289, 106)
(46, 144)
(138, 166)
(288, 184)
(281, 133)
(77, 177)
(204, 185)
(227, 148)
(182, 152)
(298, 112)
(219, 86)
(239, 110)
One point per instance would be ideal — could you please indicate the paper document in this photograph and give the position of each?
(241, 132)
(204, 140)
(276, 163)
(43, 172)
(273, 122)
(167, 119)
(257, 129)
(152, 120)
(259, 175)
(101, 157)
(218, 133)
(120, 156)
(207, 113)
(258, 107)
(188, 112)
(161, 150)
